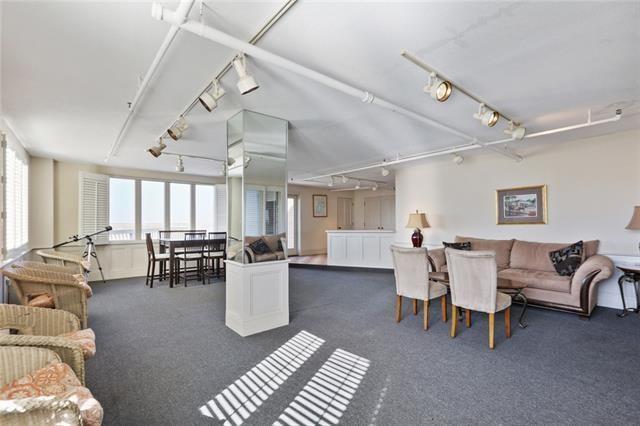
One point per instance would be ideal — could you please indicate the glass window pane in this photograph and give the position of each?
(253, 212)
(180, 212)
(205, 207)
(291, 222)
(152, 207)
(273, 220)
(122, 209)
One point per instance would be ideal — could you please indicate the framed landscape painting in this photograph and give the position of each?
(319, 205)
(524, 205)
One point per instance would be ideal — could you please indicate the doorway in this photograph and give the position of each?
(293, 225)
(345, 213)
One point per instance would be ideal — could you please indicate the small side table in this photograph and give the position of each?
(630, 274)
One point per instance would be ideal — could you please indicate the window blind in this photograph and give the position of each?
(221, 208)
(16, 201)
(253, 212)
(94, 204)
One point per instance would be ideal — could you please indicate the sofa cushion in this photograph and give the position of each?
(260, 246)
(265, 257)
(567, 260)
(502, 248)
(85, 338)
(533, 255)
(543, 280)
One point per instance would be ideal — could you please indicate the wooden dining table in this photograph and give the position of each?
(170, 243)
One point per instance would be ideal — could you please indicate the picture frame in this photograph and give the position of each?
(319, 205)
(525, 205)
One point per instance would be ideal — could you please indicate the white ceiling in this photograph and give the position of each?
(69, 68)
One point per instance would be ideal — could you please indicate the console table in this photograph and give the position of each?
(629, 274)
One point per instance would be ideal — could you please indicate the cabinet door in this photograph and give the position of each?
(372, 217)
(388, 213)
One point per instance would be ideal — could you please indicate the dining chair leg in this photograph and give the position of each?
(507, 322)
(146, 282)
(398, 308)
(492, 323)
(415, 306)
(443, 306)
(153, 271)
(426, 314)
(467, 317)
(454, 319)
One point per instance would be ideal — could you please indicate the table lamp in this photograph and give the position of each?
(634, 223)
(418, 221)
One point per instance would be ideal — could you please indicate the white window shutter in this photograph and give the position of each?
(94, 205)
(221, 208)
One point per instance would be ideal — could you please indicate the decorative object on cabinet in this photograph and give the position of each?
(417, 221)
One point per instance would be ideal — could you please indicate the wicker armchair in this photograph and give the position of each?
(68, 295)
(54, 272)
(65, 259)
(37, 321)
(29, 264)
(17, 362)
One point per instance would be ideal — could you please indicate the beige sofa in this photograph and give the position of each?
(528, 262)
(277, 253)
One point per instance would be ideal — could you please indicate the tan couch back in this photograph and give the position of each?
(502, 248)
(535, 256)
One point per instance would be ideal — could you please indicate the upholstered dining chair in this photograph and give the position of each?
(411, 270)
(152, 259)
(215, 252)
(473, 279)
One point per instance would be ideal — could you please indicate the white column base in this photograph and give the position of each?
(257, 296)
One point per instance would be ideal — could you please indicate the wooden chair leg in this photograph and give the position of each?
(467, 318)
(507, 322)
(153, 271)
(426, 314)
(454, 319)
(443, 306)
(492, 323)
(398, 308)
(415, 306)
(146, 282)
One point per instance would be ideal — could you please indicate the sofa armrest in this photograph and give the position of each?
(69, 352)
(593, 270)
(437, 259)
(250, 254)
(283, 242)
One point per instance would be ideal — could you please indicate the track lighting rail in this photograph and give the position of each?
(428, 68)
(163, 14)
(175, 154)
(229, 65)
(466, 147)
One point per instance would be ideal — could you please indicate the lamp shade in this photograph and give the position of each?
(417, 220)
(634, 223)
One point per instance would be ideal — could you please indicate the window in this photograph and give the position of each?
(122, 209)
(17, 201)
(253, 212)
(205, 207)
(151, 208)
(180, 202)
(273, 221)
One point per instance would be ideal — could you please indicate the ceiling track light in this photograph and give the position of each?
(457, 158)
(384, 171)
(516, 131)
(440, 90)
(487, 117)
(331, 182)
(177, 130)
(345, 179)
(357, 185)
(180, 165)
(246, 83)
(209, 99)
(156, 151)
(375, 187)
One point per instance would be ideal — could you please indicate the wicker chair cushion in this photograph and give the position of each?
(86, 339)
(56, 379)
(43, 300)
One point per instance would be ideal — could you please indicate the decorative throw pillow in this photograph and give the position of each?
(86, 339)
(466, 245)
(41, 300)
(567, 259)
(56, 379)
(83, 282)
(259, 246)
(280, 245)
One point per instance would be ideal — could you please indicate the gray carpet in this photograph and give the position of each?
(163, 353)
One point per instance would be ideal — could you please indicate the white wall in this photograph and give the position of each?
(41, 204)
(312, 229)
(593, 185)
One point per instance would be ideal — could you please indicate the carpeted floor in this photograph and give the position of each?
(163, 353)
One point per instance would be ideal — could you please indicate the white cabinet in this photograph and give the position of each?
(369, 249)
(380, 212)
